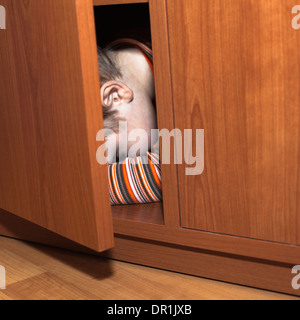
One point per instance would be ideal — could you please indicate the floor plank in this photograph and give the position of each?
(35, 272)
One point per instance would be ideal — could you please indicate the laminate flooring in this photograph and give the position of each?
(36, 272)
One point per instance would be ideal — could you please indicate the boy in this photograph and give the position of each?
(127, 94)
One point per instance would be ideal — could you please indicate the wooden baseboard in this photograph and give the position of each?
(236, 269)
(212, 265)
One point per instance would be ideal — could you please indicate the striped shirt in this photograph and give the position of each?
(135, 180)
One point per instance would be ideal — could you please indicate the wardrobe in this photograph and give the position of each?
(228, 67)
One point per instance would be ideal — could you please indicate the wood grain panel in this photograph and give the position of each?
(235, 67)
(164, 105)
(151, 213)
(49, 117)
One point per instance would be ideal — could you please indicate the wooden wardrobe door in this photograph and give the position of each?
(49, 117)
(236, 74)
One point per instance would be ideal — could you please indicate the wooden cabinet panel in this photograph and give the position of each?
(235, 72)
(49, 117)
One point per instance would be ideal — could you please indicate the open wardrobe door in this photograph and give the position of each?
(50, 113)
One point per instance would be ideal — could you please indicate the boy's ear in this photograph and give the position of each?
(114, 93)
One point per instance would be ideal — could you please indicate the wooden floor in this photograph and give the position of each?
(39, 272)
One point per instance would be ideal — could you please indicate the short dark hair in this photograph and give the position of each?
(107, 66)
(108, 71)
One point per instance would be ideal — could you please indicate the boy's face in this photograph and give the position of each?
(134, 136)
(141, 119)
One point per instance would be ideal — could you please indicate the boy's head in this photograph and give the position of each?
(108, 72)
(127, 94)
